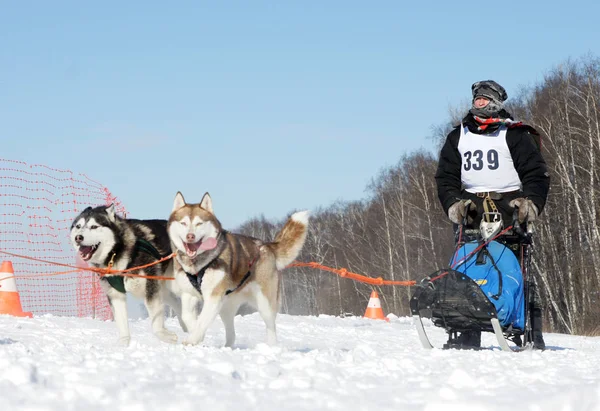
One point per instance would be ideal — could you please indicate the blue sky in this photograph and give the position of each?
(270, 106)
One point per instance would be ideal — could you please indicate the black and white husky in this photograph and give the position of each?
(102, 237)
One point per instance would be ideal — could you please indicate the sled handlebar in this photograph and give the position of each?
(518, 229)
(524, 234)
(465, 220)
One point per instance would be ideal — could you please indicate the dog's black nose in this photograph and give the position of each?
(190, 237)
(78, 238)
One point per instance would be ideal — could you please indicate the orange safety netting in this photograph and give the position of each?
(37, 207)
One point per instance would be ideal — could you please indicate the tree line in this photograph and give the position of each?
(400, 232)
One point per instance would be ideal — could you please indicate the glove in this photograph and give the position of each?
(527, 210)
(458, 210)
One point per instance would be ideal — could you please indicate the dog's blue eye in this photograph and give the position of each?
(183, 223)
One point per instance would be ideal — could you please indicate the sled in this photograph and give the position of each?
(465, 297)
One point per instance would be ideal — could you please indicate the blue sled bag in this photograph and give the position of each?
(497, 272)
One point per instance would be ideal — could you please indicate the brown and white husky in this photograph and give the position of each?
(226, 270)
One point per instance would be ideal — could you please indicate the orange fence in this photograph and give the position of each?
(37, 207)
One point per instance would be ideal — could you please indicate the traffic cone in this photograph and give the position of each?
(10, 302)
(374, 309)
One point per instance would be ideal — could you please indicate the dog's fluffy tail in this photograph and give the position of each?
(290, 239)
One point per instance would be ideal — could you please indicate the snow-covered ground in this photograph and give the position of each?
(60, 363)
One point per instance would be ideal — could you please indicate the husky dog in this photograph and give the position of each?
(101, 238)
(226, 270)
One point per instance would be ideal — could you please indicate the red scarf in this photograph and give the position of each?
(486, 122)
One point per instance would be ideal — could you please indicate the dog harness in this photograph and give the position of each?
(118, 281)
(196, 279)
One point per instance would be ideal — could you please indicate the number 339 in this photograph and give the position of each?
(475, 160)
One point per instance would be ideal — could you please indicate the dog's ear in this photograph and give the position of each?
(179, 201)
(206, 203)
(110, 210)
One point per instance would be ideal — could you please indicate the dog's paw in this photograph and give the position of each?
(167, 336)
(190, 340)
(124, 341)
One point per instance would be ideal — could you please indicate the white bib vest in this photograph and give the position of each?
(486, 162)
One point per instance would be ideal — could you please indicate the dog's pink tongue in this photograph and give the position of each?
(85, 252)
(208, 244)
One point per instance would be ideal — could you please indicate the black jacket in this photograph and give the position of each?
(523, 143)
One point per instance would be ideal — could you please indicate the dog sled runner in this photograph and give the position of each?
(483, 290)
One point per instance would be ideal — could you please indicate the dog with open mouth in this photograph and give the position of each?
(101, 238)
(226, 270)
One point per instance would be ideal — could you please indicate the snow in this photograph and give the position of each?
(320, 363)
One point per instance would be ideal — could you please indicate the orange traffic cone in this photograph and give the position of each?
(374, 309)
(10, 302)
